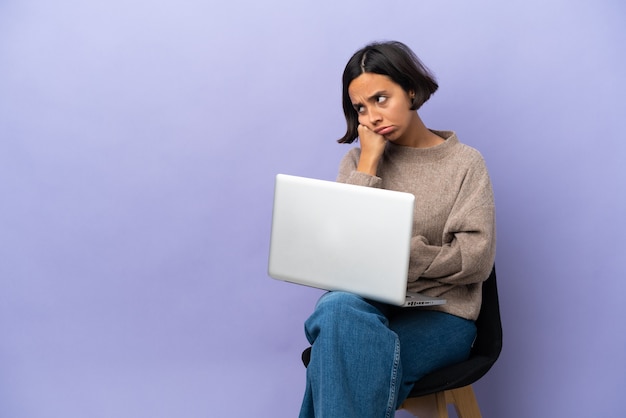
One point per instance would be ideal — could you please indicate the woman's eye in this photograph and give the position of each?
(359, 109)
(381, 99)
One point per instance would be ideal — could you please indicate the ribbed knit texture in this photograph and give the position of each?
(454, 239)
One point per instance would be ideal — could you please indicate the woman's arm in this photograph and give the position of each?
(469, 238)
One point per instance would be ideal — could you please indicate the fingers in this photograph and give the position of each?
(366, 132)
(372, 148)
(370, 140)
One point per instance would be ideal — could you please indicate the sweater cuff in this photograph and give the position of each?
(363, 179)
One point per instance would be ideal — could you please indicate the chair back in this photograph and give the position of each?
(489, 324)
(485, 351)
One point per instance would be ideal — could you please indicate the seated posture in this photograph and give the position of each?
(366, 355)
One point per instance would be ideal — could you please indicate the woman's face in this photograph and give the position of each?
(383, 106)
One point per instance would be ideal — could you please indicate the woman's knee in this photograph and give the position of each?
(342, 311)
(332, 300)
(347, 305)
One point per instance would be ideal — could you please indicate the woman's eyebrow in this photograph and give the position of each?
(371, 98)
(378, 93)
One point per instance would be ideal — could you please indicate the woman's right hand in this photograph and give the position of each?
(372, 147)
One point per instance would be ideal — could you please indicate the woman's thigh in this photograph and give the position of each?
(430, 340)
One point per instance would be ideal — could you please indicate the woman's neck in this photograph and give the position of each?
(419, 136)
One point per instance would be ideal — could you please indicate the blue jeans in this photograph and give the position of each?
(366, 356)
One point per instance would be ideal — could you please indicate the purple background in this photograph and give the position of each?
(138, 145)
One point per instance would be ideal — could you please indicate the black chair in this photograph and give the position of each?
(452, 384)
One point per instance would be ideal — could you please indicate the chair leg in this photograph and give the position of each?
(464, 402)
(429, 406)
(435, 405)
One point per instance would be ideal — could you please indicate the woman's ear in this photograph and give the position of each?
(412, 98)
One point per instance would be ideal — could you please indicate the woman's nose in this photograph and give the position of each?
(374, 117)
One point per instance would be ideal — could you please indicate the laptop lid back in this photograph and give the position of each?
(336, 236)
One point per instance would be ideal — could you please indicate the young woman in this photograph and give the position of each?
(366, 356)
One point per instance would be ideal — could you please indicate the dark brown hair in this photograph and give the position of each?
(394, 60)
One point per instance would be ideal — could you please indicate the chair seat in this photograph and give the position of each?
(452, 377)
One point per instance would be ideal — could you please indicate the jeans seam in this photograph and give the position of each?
(391, 405)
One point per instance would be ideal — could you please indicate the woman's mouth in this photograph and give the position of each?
(385, 130)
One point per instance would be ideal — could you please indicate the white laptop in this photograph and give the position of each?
(336, 236)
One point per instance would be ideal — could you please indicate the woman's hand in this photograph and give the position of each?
(372, 147)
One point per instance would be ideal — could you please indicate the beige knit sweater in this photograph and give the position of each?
(454, 238)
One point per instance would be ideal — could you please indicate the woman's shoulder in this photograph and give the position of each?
(352, 154)
(470, 152)
(349, 161)
(464, 151)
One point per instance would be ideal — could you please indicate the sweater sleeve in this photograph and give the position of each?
(348, 174)
(467, 253)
